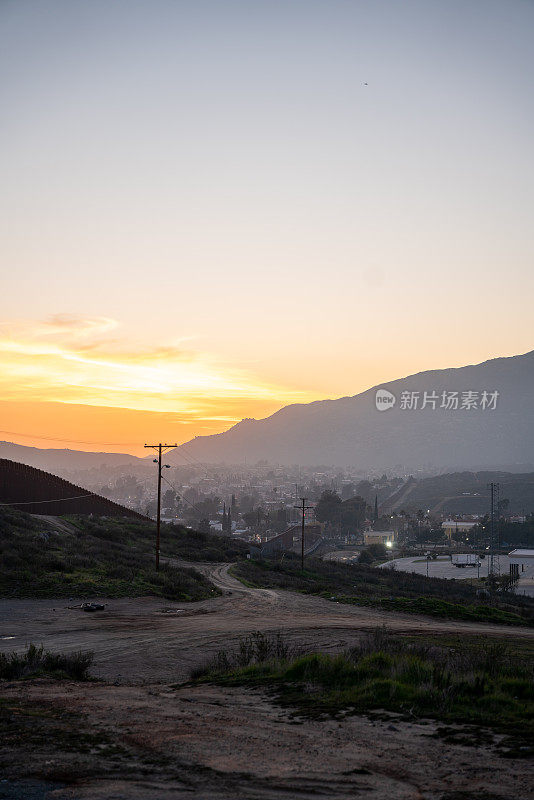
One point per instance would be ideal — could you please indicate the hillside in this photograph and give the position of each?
(351, 431)
(468, 493)
(88, 558)
(80, 556)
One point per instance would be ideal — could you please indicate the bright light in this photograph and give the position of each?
(389, 544)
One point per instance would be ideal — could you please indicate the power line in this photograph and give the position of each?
(58, 500)
(181, 497)
(65, 441)
(191, 460)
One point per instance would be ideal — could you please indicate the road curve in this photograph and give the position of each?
(150, 640)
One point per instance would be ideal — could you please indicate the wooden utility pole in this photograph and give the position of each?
(160, 447)
(303, 508)
(494, 565)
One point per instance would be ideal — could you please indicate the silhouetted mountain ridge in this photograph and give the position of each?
(351, 431)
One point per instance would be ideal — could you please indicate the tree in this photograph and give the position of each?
(247, 502)
(365, 557)
(204, 526)
(351, 515)
(169, 498)
(255, 519)
(348, 491)
(281, 520)
(365, 489)
(327, 509)
(128, 486)
(378, 551)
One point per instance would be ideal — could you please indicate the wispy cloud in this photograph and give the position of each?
(72, 359)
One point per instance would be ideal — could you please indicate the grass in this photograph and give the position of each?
(38, 662)
(435, 607)
(103, 557)
(255, 648)
(359, 584)
(483, 684)
(176, 541)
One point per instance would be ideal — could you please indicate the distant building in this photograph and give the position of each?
(451, 526)
(524, 559)
(379, 537)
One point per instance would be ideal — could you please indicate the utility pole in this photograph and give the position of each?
(303, 508)
(494, 565)
(160, 447)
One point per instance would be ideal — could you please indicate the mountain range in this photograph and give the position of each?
(411, 432)
(492, 430)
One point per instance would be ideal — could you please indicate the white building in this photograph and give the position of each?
(524, 560)
(379, 537)
(522, 567)
(451, 526)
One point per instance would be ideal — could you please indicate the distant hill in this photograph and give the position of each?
(464, 493)
(351, 431)
(53, 460)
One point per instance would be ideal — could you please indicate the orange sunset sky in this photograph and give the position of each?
(211, 210)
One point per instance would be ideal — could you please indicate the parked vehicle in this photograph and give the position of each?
(463, 560)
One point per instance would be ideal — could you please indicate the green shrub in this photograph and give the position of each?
(37, 661)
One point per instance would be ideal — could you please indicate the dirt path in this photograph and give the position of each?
(57, 523)
(150, 640)
(137, 736)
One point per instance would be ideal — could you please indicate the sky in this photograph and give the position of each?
(211, 209)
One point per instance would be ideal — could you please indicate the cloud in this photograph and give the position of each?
(62, 326)
(79, 326)
(70, 359)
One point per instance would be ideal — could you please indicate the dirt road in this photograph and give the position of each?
(149, 640)
(135, 735)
